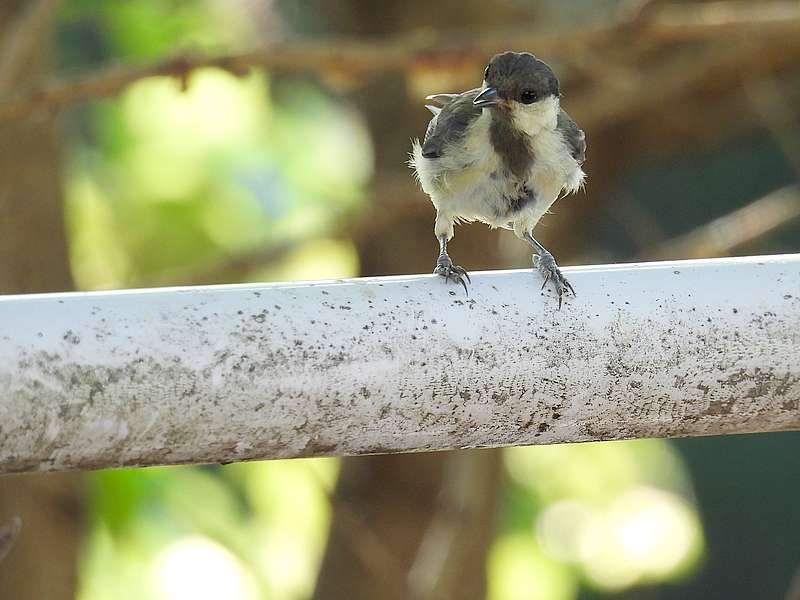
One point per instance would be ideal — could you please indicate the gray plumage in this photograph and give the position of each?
(448, 126)
(573, 135)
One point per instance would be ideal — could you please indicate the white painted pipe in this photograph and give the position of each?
(398, 364)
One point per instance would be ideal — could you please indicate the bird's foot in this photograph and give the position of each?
(547, 266)
(451, 272)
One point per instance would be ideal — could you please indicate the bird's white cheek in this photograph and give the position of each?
(532, 118)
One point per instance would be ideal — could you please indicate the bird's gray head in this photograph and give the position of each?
(520, 86)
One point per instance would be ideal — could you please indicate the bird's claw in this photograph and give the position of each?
(547, 266)
(451, 272)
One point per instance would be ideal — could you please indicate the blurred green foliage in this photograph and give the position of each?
(166, 181)
(177, 180)
(206, 532)
(163, 182)
(609, 515)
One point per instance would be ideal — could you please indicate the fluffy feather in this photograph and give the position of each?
(469, 181)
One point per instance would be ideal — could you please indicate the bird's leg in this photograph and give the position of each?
(546, 264)
(446, 268)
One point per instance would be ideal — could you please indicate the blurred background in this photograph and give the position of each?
(171, 142)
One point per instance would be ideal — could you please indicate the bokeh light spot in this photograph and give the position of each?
(196, 568)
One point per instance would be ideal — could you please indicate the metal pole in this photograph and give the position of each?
(398, 364)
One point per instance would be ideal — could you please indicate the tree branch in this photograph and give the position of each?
(23, 40)
(738, 228)
(351, 61)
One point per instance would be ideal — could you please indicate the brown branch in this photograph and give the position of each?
(353, 61)
(721, 67)
(740, 227)
(466, 505)
(23, 40)
(365, 544)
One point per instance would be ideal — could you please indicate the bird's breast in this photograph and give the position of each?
(476, 180)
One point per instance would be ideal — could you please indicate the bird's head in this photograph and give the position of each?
(519, 86)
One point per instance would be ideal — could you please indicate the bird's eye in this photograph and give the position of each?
(528, 97)
(486, 74)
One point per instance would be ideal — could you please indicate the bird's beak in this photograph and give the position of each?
(488, 97)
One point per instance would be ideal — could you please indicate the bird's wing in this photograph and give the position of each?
(450, 123)
(573, 135)
(443, 99)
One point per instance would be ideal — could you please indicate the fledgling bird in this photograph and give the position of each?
(501, 154)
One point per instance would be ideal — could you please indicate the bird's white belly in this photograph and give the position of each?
(477, 192)
(471, 185)
(474, 194)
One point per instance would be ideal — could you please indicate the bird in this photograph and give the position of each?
(501, 154)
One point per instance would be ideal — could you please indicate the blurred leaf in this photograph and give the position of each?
(120, 496)
(518, 570)
(619, 511)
